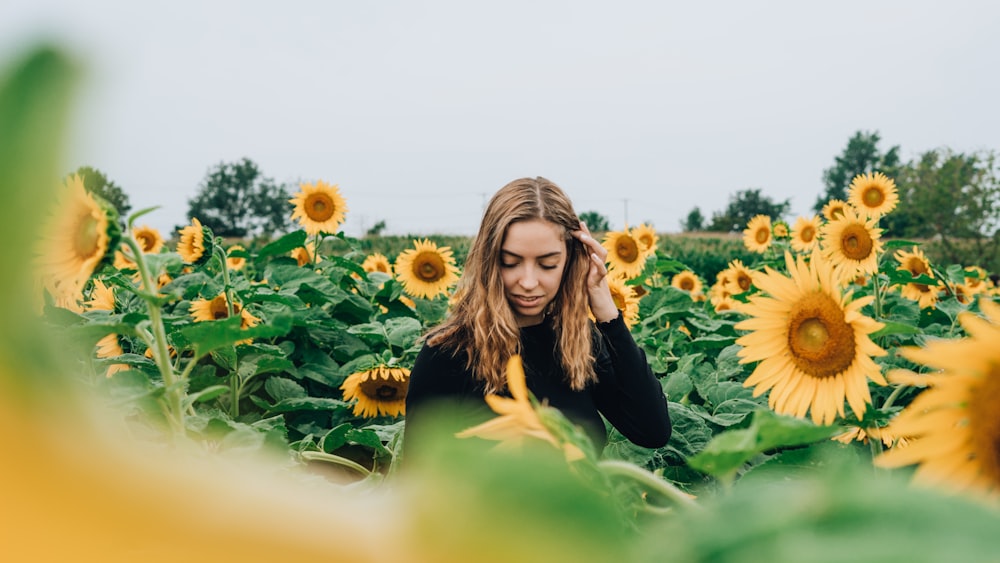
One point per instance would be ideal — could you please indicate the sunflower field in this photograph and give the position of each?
(834, 395)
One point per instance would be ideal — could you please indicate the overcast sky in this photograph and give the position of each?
(420, 110)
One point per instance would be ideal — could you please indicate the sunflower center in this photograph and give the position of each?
(383, 390)
(429, 267)
(762, 236)
(687, 284)
(856, 243)
(86, 241)
(626, 249)
(319, 207)
(744, 281)
(819, 338)
(985, 436)
(219, 310)
(873, 197)
(916, 267)
(807, 234)
(146, 242)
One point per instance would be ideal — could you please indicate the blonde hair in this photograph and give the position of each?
(481, 323)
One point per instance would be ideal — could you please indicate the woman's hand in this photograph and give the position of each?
(601, 303)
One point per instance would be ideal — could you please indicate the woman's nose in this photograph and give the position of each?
(528, 280)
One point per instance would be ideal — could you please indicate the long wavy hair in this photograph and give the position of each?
(481, 323)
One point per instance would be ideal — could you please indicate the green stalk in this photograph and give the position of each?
(336, 459)
(234, 377)
(648, 479)
(174, 392)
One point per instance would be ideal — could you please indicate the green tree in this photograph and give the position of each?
(236, 200)
(694, 221)
(376, 229)
(97, 183)
(596, 222)
(860, 156)
(743, 206)
(953, 199)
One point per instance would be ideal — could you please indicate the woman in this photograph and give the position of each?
(531, 277)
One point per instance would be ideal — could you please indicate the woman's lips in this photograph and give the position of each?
(527, 302)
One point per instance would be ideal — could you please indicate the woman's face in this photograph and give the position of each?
(532, 260)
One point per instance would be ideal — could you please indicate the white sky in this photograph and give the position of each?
(420, 110)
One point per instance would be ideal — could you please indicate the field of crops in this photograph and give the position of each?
(833, 395)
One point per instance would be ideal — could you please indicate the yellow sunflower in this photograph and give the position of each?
(426, 270)
(976, 279)
(149, 239)
(780, 229)
(625, 299)
(518, 418)
(724, 304)
(852, 243)
(687, 281)
(81, 234)
(917, 265)
(646, 236)
(874, 194)
(376, 262)
(305, 255)
(109, 347)
(195, 244)
(757, 236)
(215, 309)
(625, 254)
(805, 233)
(235, 263)
(319, 207)
(740, 278)
(102, 298)
(811, 340)
(378, 391)
(834, 209)
(953, 425)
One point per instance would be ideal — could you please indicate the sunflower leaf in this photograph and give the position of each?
(284, 245)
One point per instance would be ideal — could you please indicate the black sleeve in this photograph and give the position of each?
(627, 393)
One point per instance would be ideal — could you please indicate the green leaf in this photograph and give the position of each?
(284, 245)
(403, 331)
(280, 388)
(366, 437)
(892, 327)
(306, 404)
(206, 394)
(335, 438)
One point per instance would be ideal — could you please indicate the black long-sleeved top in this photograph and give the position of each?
(626, 392)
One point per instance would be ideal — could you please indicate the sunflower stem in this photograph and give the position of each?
(648, 479)
(161, 353)
(230, 291)
(893, 396)
(336, 459)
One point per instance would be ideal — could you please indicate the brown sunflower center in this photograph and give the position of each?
(855, 242)
(147, 242)
(873, 197)
(916, 266)
(218, 309)
(744, 281)
(762, 235)
(383, 390)
(626, 249)
(319, 207)
(429, 266)
(807, 234)
(985, 424)
(819, 338)
(687, 284)
(87, 239)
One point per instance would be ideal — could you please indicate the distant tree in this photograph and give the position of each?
(694, 221)
(376, 229)
(860, 156)
(953, 199)
(96, 182)
(743, 206)
(236, 200)
(596, 222)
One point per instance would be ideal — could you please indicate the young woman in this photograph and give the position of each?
(533, 276)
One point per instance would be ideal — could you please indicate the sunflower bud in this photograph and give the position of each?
(196, 243)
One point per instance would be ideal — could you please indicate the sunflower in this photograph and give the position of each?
(426, 270)
(215, 309)
(319, 207)
(852, 243)
(917, 265)
(976, 279)
(235, 263)
(687, 281)
(109, 347)
(811, 340)
(625, 299)
(740, 278)
(195, 244)
(149, 239)
(834, 209)
(625, 254)
(102, 298)
(875, 194)
(518, 417)
(757, 236)
(376, 262)
(646, 236)
(378, 391)
(304, 255)
(723, 304)
(953, 426)
(81, 234)
(804, 233)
